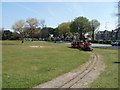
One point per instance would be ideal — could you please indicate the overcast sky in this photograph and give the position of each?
(55, 13)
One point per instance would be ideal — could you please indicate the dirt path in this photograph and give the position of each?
(80, 77)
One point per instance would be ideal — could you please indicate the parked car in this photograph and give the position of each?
(115, 43)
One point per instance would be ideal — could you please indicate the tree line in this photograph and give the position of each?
(34, 28)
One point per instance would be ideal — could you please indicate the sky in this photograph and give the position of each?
(55, 13)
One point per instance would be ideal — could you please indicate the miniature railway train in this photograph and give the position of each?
(86, 46)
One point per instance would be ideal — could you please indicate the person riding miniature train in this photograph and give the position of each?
(87, 46)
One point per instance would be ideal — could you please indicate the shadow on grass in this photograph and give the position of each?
(73, 48)
(80, 49)
(8, 44)
(117, 62)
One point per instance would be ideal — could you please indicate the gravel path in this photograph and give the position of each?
(79, 78)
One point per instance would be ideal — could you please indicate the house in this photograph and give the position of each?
(117, 33)
(100, 35)
(108, 35)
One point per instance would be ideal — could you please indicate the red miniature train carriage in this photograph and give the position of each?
(77, 44)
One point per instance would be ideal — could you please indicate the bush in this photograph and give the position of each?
(103, 41)
(108, 42)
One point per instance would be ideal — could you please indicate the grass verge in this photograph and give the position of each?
(109, 78)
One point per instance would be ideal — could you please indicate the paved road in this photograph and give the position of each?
(102, 46)
(105, 46)
(96, 45)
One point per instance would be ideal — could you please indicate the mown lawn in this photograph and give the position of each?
(25, 67)
(109, 78)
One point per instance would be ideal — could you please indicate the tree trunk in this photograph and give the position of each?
(22, 38)
(32, 37)
(93, 34)
(81, 36)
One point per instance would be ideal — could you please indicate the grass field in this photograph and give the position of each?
(25, 66)
(109, 78)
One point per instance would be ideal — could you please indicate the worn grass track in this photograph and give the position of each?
(77, 78)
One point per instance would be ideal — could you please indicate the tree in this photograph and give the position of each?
(64, 29)
(56, 33)
(32, 24)
(16, 36)
(1, 34)
(80, 25)
(94, 27)
(46, 31)
(19, 27)
(42, 23)
(37, 33)
(7, 35)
